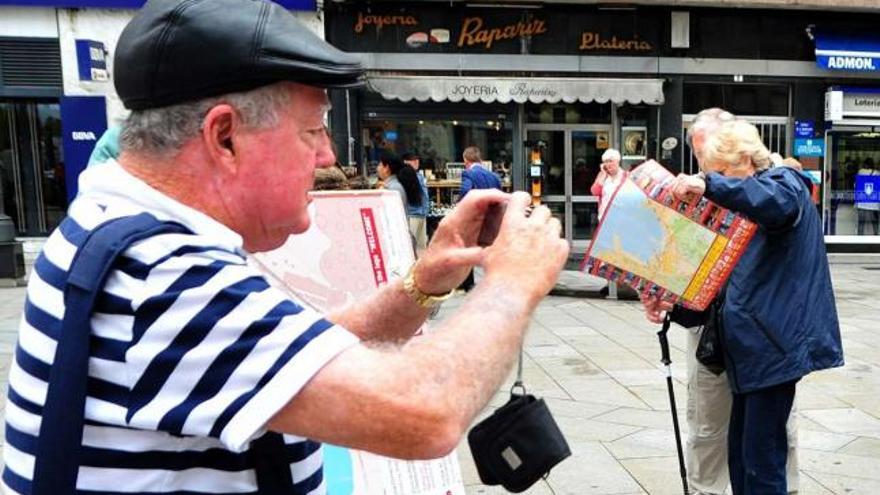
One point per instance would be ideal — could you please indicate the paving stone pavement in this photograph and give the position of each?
(596, 363)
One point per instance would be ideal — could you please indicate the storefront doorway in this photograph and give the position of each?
(853, 163)
(31, 166)
(570, 156)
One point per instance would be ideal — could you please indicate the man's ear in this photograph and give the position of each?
(218, 131)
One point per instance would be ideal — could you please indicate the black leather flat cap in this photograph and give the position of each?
(174, 51)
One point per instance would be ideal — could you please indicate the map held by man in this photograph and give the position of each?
(669, 247)
(665, 247)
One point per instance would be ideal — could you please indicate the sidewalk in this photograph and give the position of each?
(596, 363)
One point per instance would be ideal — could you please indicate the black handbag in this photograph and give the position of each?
(519, 443)
(709, 349)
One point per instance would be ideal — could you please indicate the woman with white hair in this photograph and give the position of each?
(609, 179)
(779, 321)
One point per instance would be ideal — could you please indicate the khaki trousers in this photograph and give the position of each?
(708, 413)
(419, 230)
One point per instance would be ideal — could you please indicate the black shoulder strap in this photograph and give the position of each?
(58, 447)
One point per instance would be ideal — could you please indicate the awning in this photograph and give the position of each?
(519, 90)
(838, 52)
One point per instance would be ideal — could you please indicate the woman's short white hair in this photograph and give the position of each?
(732, 142)
(611, 154)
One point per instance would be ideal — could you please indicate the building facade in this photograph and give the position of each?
(543, 89)
(57, 99)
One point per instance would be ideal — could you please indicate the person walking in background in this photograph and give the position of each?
(609, 179)
(474, 176)
(418, 214)
(773, 331)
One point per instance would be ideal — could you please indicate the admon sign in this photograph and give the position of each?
(836, 52)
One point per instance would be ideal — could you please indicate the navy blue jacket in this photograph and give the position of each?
(478, 177)
(780, 319)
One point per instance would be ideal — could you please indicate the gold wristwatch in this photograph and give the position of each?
(419, 297)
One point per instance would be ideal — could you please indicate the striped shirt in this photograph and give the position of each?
(192, 352)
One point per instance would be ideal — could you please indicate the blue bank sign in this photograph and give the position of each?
(849, 54)
(867, 189)
(133, 4)
(809, 147)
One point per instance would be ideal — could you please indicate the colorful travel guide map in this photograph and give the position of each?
(679, 251)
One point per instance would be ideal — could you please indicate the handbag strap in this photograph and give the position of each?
(518, 384)
(59, 446)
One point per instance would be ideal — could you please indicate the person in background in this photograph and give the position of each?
(399, 177)
(709, 399)
(474, 176)
(610, 177)
(418, 214)
(774, 331)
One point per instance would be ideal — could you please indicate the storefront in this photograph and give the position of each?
(449, 74)
(543, 130)
(32, 179)
(852, 145)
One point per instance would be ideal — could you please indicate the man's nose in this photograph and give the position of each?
(325, 155)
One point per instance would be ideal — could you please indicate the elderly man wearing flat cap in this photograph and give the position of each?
(152, 359)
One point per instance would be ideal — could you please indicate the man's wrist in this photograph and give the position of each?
(413, 291)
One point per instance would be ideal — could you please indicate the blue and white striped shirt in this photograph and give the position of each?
(192, 352)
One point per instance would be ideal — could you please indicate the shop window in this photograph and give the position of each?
(854, 163)
(565, 113)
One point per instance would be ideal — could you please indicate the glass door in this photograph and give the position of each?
(570, 158)
(31, 166)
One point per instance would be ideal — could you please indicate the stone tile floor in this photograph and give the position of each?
(596, 362)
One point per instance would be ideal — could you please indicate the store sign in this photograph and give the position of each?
(861, 104)
(867, 189)
(91, 60)
(83, 122)
(475, 32)
(307, 5)
(456, 29)
(594, 41)
(809, 147)
(840, 62)
(804, 128)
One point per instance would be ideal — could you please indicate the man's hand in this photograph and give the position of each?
(655, 309)
(453, 250)
(689, 188)
(528, 253)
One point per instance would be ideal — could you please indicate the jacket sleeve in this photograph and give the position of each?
(769, 199)
(467, 184)
(687, 318)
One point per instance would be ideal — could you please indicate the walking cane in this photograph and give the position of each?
(667, 361)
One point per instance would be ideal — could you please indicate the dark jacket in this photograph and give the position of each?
(780, 319)
(478, 177)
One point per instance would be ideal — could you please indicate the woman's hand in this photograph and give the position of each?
(655, 309)
(688, 188)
